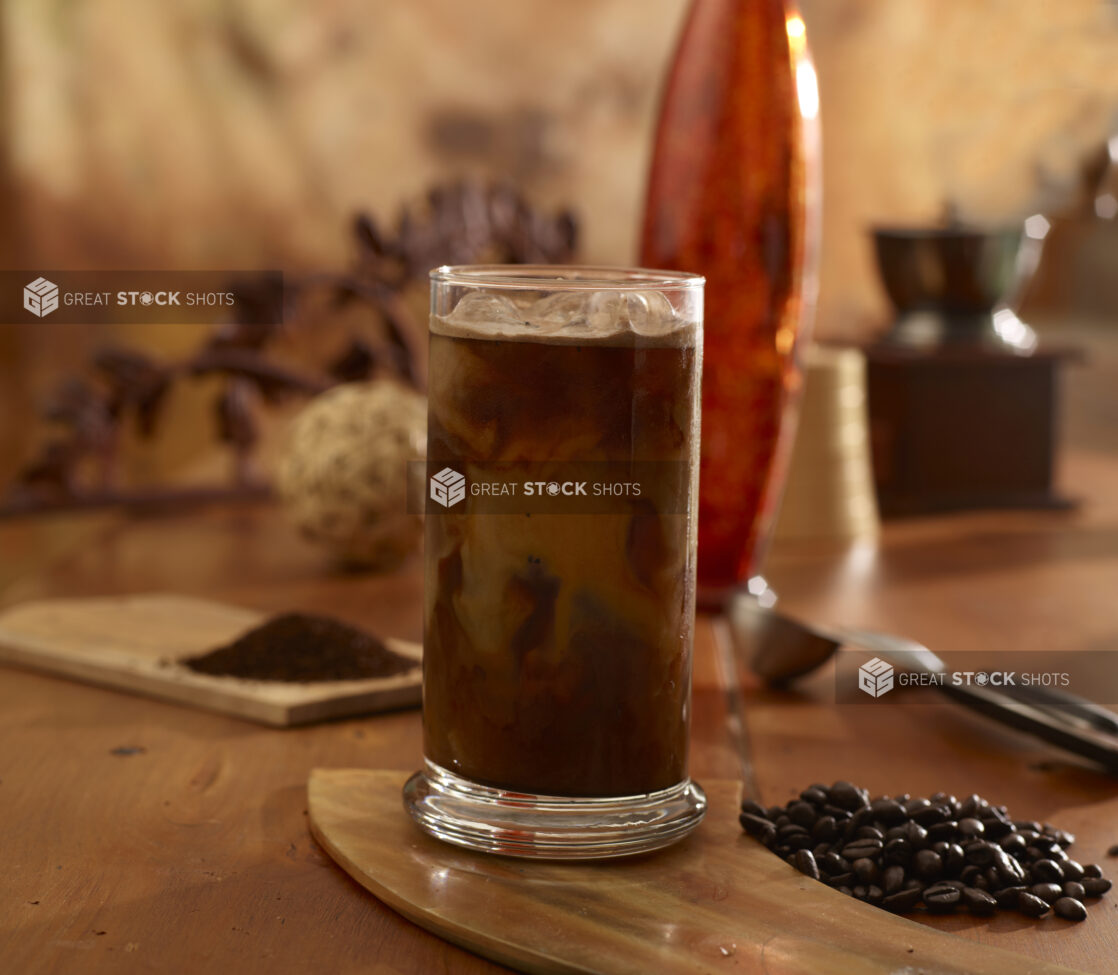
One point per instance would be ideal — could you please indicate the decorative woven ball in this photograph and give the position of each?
(344, 475)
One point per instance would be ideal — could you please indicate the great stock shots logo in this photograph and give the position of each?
(875, 677)
(448, 487)
(40, 297)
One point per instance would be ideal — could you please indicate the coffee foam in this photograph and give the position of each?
(623, 318)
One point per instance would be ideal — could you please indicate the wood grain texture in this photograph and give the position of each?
(134, 643)
(716, 902)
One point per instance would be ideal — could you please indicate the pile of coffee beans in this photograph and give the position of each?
(942, 853)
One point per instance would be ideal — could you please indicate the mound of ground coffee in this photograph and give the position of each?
(941, 853)
(301, 648)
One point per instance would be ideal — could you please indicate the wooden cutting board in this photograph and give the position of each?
(133, 644)
(716, 902)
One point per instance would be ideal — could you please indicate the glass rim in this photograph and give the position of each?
(566, 277)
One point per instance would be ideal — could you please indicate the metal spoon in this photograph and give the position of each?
(780, 649)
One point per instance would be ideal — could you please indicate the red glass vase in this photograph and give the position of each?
(733, 194)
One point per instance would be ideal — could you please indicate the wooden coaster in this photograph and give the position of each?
(716, 902)
(132, 643)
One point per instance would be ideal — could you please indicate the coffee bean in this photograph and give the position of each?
(947, 830)
(1009, 870)
(1113, 851)
(927, 864)
(942, 898)
(1047, 892)
(831, 863)
(1007, 896)
(757, 827)
(1031, 905)
(979, 901)
(996, 829)
(825, 829)
(1092, 870)
(753, 808)
(782, 820)
(1072, 888)
(902, 901)
(846, 795)
(887, 811)
(971, 829)
(913, 806)
(869, 833)
(969, 873)
(1059, 854)
(815, 794)
(1064, 838)
(802, 814)
(860, 891)
(1073, 870)
(1070, 908)
(897, 851)
(971, 805)
(874, 894)
(980, 853)
(892, 879)
(841, 879)
(1046, 871)
(859, 818)
(953, 859)
(865, 871)
(916, 835)
(1013, 843)
(862, 848)
(1028, 824)
(1095, 886)
(804, 861)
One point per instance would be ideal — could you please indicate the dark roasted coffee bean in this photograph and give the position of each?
(1047, 892)
(942, 898)
(979, 901)
(1046, 871)
(774, 812)
(895, 833)
(1007, 897)
(897, 851)
(969, 873)
(1064, 838)
(1095, 886)
(846, 795)
(865, 871)
(996, 829)
(892, 879)
(1028, 824)
(1030, 835)
(915, 805)
(916, 835)
(800, 841)
(869, 833)
(791, 829)
(862, 848)
(993, 879)
(953, 859)
(1013, 843)
(1031, 905)
(902, 901)
(861, 817)
(1073, 870)
(860, 892)
(945, 799)
(1009, 870)
(841, 879)
(1073, 888)
(927, 864)
(825, 829)
(947, 830)
(803, 814)
(757, 827)
(887, 811)
(971, 805)
(820, 850)
(754, 808)
(832, 863)
(815, 794)
(1059, 854)
(837, 811)
(970, 829)
(1092, 870)
(874, 894)
(1070, 909)
(804, 861)
(980, 853)
(782, 820)
(929, 815)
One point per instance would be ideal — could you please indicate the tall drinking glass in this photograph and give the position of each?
(563, 435)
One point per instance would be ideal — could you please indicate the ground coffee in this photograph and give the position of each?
(301, 648)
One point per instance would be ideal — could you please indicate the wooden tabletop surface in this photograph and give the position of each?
(140, 836)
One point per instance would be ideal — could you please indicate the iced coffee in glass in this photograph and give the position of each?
(563, 435)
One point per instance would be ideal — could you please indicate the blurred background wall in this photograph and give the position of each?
(245, 133)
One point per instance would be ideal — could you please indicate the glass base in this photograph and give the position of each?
(517, 824)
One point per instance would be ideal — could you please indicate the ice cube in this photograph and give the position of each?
(650, 313)
(562, 310)
(481, 312)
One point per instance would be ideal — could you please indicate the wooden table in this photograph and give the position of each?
(144, 837)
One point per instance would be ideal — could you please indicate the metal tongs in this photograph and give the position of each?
(779, 649)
